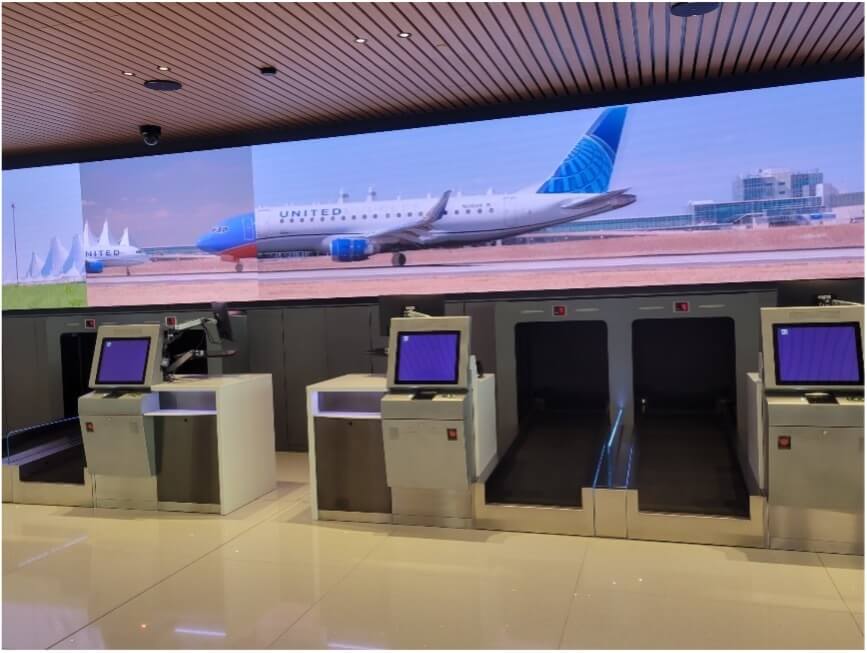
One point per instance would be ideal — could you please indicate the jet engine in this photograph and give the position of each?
(93, 267)
(346, 250)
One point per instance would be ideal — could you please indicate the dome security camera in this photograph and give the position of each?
(150, 134)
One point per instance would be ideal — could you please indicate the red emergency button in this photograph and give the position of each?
(681, 307)
(784, 442)
(89, 323)
(88, 427)
(452, 434)
(559, 311)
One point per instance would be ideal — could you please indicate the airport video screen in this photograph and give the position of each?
(427, 357)
(757, 185)
(818, 354)
(123, 361)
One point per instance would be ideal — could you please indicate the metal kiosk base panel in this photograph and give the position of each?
(533, 519)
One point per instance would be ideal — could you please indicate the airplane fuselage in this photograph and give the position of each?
(115, 256)
(466, 219)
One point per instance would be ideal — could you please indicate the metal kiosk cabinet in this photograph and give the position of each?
(438, 424)
(814, 405)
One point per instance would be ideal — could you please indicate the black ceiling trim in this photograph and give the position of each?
(783, 77)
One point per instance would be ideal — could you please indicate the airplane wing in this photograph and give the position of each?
(415, 233)
(593, 198)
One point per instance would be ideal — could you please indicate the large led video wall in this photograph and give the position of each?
(747, 186)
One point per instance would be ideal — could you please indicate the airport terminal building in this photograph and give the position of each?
(585, 371)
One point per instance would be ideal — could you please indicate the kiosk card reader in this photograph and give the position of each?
(814, 406)
(437, 421)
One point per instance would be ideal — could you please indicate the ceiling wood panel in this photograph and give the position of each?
(63, 90)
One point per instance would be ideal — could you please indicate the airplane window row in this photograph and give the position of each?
(375, 216)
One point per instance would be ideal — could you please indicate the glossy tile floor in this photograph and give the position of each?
(266, 576)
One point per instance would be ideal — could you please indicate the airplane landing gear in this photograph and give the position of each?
(398, 259)
(239, 267)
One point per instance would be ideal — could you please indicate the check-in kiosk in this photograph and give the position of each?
(813, 376)
(118, 441)
(154, 440)
(438, 421)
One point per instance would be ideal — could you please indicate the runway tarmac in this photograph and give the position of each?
(451, 269)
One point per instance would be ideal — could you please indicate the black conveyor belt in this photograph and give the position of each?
(47, 453)
(687, 464)
(552, 459)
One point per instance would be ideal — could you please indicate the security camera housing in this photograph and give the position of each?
(151, 134)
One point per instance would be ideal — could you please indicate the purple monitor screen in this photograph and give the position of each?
(427, 357)
(123, 361)
(818, 354)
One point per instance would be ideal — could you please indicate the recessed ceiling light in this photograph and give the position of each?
(358, 39)
(404, 35)
(163, 68)
(128, 73)
(687, 9)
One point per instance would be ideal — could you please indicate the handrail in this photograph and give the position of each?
(608, 453)
(8, 438)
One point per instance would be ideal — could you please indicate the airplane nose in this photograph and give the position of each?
(204, 243)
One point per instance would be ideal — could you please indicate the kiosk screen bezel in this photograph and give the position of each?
(123, 382)
(855, 326)
(455, 378)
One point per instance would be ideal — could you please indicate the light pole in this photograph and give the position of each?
(15, 242)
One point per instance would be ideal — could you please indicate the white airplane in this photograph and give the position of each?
(353, 231)
(105, 254)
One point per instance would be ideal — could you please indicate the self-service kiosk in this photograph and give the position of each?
(154, 440)
(118, 440)
(813, 376)
(438, 421)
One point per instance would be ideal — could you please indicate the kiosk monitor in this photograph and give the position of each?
(123, 361)
(428, 357)
(818, 354)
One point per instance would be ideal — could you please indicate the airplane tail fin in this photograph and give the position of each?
(124, 240)
(588, 167)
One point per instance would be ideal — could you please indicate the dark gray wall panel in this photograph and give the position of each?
(304, 343)
(265, 354)
(348, 331)
(25, 372)
(484, 341)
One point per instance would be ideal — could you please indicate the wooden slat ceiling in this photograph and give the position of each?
(63, 87)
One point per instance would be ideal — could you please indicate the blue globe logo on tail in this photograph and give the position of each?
(587, 168)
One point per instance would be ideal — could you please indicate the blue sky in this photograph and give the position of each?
(672, 151)
(167, 200)
(47, 203)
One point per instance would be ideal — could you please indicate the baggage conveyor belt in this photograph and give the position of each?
(687, 464)
(47, 453)
(553, 457)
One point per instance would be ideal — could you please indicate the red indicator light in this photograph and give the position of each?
(784, 442)
(559, 311)
(452, 434)
(681, 307)
(171, 321)
(89, 323)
